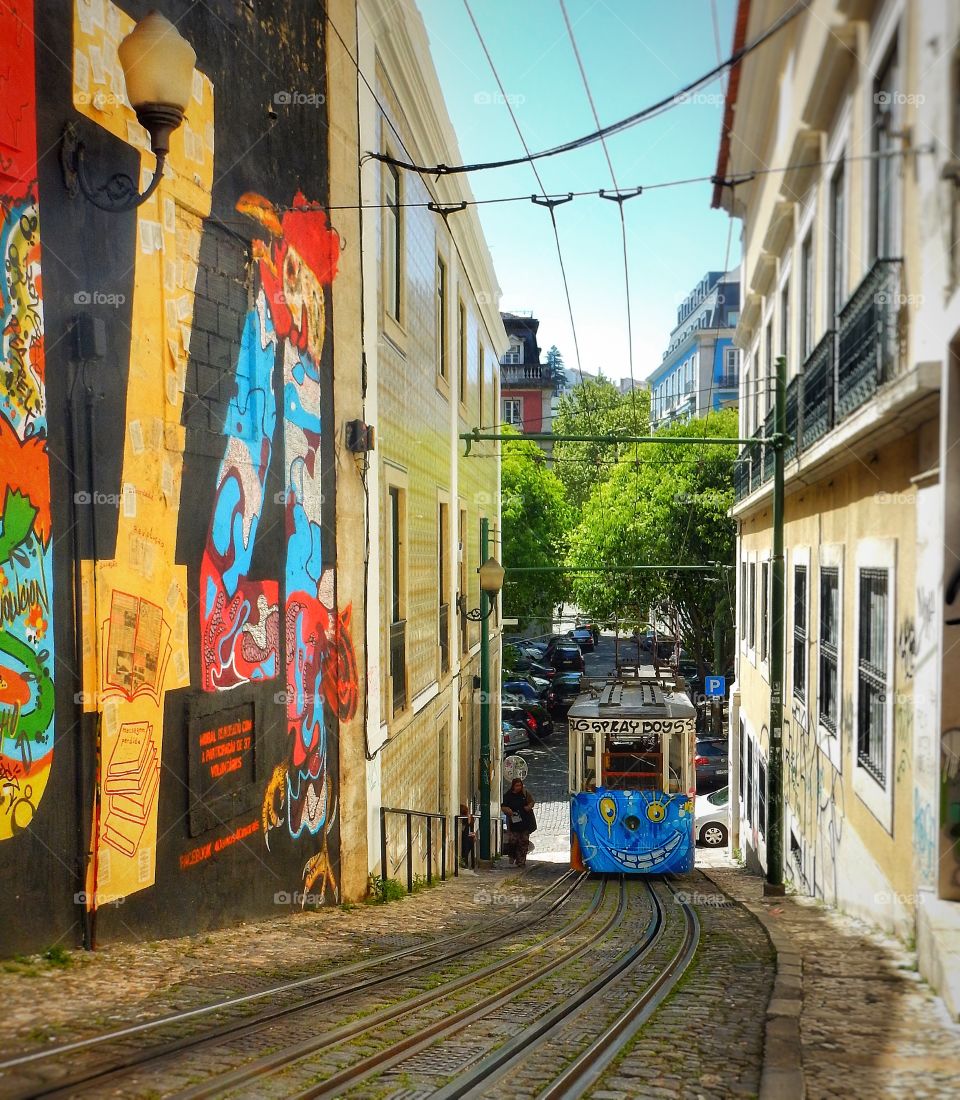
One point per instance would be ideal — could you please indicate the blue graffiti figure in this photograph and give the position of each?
(633, 832)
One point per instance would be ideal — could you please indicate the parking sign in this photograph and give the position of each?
(715, 685)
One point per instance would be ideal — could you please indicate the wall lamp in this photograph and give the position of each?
(157, 66)
(491, 581)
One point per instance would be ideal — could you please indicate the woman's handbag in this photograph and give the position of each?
(529, 821)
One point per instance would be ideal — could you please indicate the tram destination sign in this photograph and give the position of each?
(629, 727)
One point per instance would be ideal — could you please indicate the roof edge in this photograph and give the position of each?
(729, 107)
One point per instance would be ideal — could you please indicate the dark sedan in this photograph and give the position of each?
(533, 715)
(561, 694)
(567, 658)
(711, 764)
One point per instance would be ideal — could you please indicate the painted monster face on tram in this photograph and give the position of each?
(634, 831)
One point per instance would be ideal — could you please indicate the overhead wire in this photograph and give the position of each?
(620, 125)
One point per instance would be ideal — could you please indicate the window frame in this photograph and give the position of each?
(463, 362)
(879, 556)
(443, 323)
(830, 557)
(393, 287)
(518, 402)
(396, 509)
(800, 634)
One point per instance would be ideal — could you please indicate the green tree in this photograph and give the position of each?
(536, 518)
(668, 507)
(557, 372)
(595, 407)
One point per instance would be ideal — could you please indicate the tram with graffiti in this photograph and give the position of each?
(632, 738)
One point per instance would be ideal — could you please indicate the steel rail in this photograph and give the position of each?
(178, 1046)
(499, 1063)
(590, 1065)
(400, 1051)
(281, 1059)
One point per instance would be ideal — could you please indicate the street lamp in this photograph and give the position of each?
(157, 66)
(491, 581)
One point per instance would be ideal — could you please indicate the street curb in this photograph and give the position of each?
(781, 1077)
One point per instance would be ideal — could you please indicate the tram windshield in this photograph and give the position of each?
(651, 762)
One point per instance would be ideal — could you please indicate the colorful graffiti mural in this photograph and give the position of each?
(135, 605)
(26, 566)
(637, 832)
(240, 617)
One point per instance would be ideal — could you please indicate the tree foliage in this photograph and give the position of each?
(557, 372)
(536, 518)
(595, 407)
(667, 507)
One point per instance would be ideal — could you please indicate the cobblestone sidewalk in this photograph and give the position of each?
(869, 1025)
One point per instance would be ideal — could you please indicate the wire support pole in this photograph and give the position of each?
(774, 885)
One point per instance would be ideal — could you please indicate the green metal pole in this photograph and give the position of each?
(774, 884)
(484, 700)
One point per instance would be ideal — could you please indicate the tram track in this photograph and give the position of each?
(100, 1074)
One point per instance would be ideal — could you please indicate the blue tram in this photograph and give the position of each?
(632, 738)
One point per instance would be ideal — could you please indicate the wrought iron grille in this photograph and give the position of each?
(816, 396)
(872, 673)
(867, 343)
(755, 451)
(768, 427)
(741, 474)
(444, 637)
(793, 417)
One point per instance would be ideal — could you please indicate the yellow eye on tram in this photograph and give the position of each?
(608, 810)
(656, 811)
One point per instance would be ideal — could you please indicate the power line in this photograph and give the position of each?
(614, 127)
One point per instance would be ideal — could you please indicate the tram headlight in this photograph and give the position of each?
(632, 823)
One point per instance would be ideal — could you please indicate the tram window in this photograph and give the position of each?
(635, 766)
(589, 766)
(675, 782)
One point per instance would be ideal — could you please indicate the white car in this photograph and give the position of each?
(514, 737)
(711, 818)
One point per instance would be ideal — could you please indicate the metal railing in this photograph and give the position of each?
(398, 664)
(842, 373)
(409, 815)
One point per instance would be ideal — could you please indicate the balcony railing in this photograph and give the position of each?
(444, 638)
(398, 664)
(529, 374)
(842, 373)
(816, 391)
(727, 382)
(867, 337)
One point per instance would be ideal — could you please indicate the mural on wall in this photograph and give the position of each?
(240, 617)
(135, 606)
(26, 557)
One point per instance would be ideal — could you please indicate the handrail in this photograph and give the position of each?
(410, 815)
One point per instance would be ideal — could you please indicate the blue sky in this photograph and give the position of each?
(634, 53)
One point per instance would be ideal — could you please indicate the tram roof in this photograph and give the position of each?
(637, 692)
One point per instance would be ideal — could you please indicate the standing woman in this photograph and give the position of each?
(518, 806)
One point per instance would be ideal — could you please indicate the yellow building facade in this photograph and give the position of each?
(433, 337)
(835, 155)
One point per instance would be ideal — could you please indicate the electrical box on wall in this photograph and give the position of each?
(359, 436)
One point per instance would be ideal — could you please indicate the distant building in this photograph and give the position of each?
(700, 370)
(629, 385)
(526, 384)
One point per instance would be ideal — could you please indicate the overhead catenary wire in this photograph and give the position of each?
(612, 128)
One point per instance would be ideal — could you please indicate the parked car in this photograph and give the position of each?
(515, 736)
(562, 693)
(533, 715)
(541, 671)
(711, 818)
(567, 658)
(583, 636)
(711, 763)
(530, 689)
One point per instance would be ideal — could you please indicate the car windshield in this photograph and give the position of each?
(719, 798)
(525, 691)
(711, 748)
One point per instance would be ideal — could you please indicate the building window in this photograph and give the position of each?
(462, 350)
(464, 621)
(885, 167)
(800, 631)
(480, 381)
(761, 797)
(750, 780)
(872, 673)
(829, 673)
(731, 363)
(837, 240)
(743, 760)
(512, 411)
(806, 297)
(443, 573)
(443, 366)
(514, 355)
(398, 664)
(784, 322)
(743, 601)
(764, 608)
(753, 605)
(392, 240)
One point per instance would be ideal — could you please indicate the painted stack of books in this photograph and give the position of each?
(130, 786)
